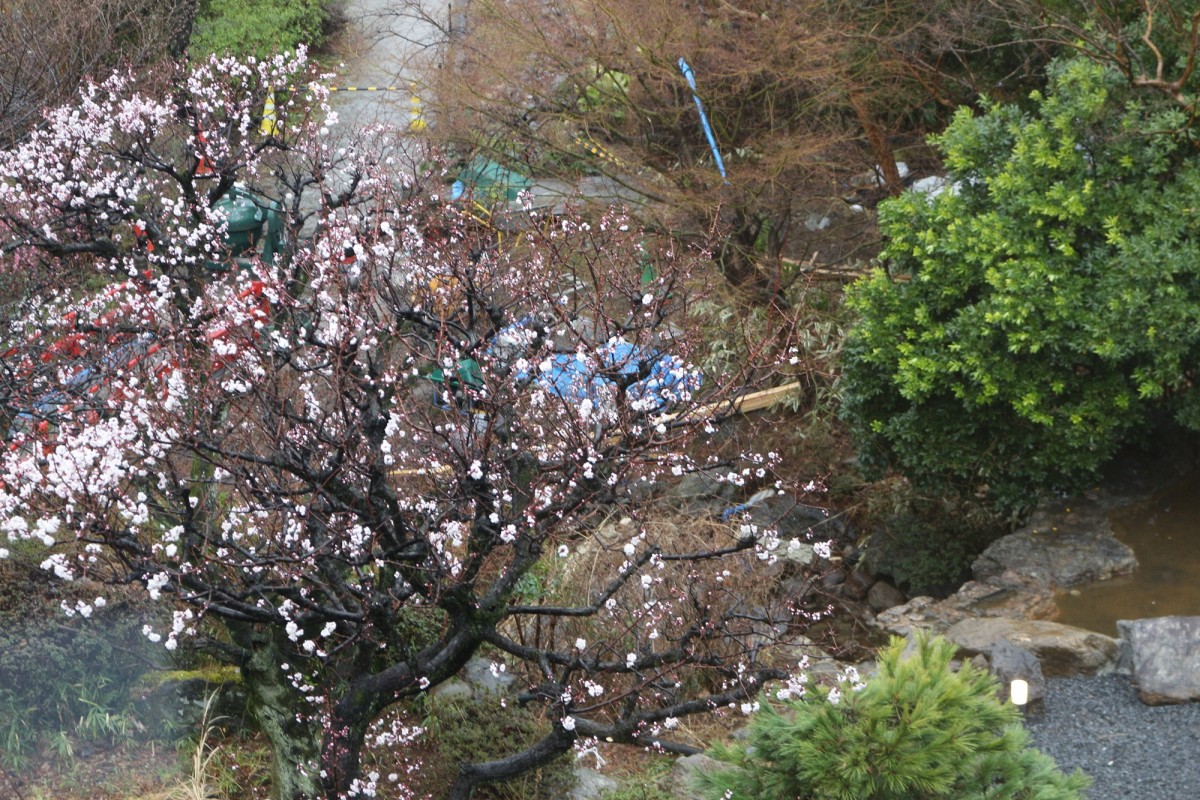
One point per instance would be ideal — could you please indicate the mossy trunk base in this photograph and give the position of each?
(275, 705)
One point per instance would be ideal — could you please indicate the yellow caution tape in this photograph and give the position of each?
(416, 114)
(599, 152)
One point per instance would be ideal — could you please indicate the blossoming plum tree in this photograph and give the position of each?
(258, 443)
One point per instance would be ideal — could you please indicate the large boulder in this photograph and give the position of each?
(1004, 595)
(795, 520)
(591, 784)
(1062, 546)
(485, 677)
(883, 595)
(684, 774)
(920, 613)
(1062, 651)
(703, 493)
(1165, 658)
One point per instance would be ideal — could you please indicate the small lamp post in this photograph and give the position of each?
(1018, 692)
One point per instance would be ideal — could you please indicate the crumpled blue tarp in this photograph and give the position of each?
(578, 378)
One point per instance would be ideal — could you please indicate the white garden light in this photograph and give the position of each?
(1018, 691)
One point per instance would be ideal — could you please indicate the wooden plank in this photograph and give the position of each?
(764, 398)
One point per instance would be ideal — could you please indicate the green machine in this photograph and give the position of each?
(251, 221)
(489, 182)
(468, 375)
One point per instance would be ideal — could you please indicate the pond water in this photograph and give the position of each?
(1164, 532)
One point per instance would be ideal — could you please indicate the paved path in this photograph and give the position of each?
(384, 47)
(386, 44)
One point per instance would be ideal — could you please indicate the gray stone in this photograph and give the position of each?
(919, 613)
(702, 492)
(883, 596)
(1061, 547)
(590, 784)
(826, 673)
(684, 772)
(453, 689)
(798, 648)
(797, 588)
(835, 577)
(1008, 662)
(796, 551)
(795, 520)
(1165, 658)
(1062, 651)
(1005, 595)
(792, 551)
(480, 675)
(858, 583)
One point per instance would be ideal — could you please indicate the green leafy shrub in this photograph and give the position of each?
(260, 27)
(916, 730)
(1045, 306)
(64, 675)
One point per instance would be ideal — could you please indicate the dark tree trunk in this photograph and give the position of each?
(181, 27)
(738, 260)
(341, 753)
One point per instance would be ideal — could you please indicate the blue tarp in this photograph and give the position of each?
(574, 378)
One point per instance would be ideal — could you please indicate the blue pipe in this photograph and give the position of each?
(708, 133)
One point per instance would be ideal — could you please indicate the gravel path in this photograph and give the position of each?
(1132, 751)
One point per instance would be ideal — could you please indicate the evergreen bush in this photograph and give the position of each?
(261, 27)
(1034, 317)
(916, 730)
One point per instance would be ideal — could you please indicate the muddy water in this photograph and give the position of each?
(1164, 532)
